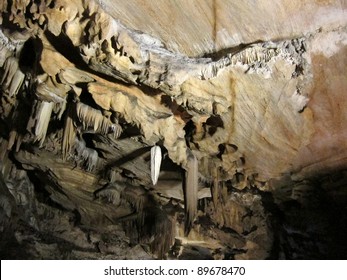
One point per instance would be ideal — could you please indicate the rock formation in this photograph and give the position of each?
(173, 129)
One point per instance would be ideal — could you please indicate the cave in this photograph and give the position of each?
(212, 130)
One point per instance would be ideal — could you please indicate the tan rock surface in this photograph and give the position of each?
(246, 98)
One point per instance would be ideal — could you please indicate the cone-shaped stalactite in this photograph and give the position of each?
(191, 190)
(155, 163)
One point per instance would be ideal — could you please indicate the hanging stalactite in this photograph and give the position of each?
(87, 155)
(12, 78)
(191, 190)
(156, 157)
(215, 187)
(92, 118)
(69, 132)
(43, 116)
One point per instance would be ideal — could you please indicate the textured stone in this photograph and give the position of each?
(245, 100)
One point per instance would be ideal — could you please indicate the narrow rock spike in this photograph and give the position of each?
(69, 134)
(12, 78)
(43, 116)
(92, 118)
(155, 163)
(191, 190)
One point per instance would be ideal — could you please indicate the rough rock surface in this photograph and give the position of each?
(245, 99)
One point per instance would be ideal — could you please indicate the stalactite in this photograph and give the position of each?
(12, 139)
(43, 116)
(224, 193)
(88, 155)
(69, 133)
(18, 122)
(92, 160)
(19, 141)
(253, 54)
(12, 78)
(116, 129)
(92, 118)
(60, 108)
(155, 163)
(215, 187)
(191, 190)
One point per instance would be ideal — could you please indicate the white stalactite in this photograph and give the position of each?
(43, 116)
(155, 163)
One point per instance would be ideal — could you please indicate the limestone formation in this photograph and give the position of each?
(218, 132)
(156, 158)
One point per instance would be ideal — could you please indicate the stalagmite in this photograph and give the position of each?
(155, 163)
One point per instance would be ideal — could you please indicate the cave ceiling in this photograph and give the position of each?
(170, 122)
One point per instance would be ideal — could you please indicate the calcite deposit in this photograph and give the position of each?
(173, 129)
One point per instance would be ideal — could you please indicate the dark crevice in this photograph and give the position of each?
(221, 149)
(189, 129)
(86, 97)
(216, 121)
(218, 55)
(129, 157)
(39, 179)
(64, 46)
(176, 109)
